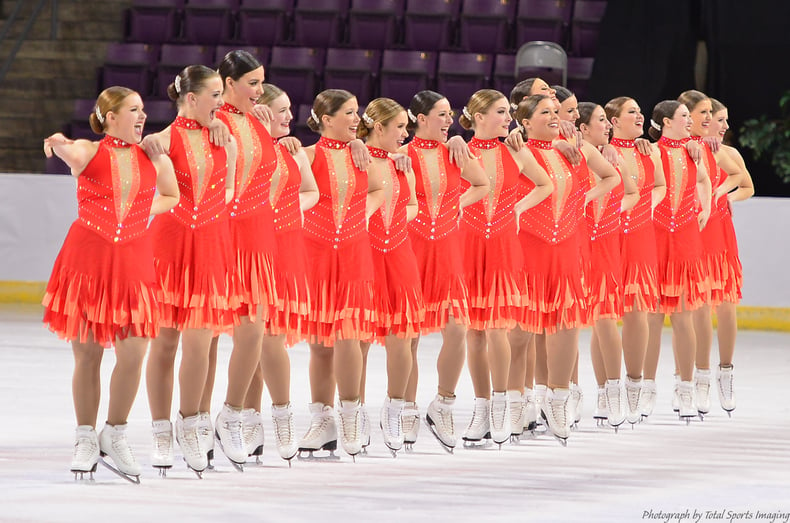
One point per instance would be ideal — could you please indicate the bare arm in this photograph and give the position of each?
(75, 153)
(734, 174)
(532, 170)
(660, 181)
(476, 176)
(411, 207)
(605, 171)
(745, 188)
(231, 150)
(630, 194)
(308, 190)
(704, 195)
(166, 185)
(375, 198)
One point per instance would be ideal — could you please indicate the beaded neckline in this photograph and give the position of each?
(230, 108)
(479, 143)
(424, 144)
(697, 139)
(112, 141)
(540, 144)
(375, 152)
(331, 143)
(186, 123)
(669, 142)
(621, 142)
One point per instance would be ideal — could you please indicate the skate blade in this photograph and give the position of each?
(79, 475)
(311, 456)
(408, 446)
(127, 477)
(162, 470)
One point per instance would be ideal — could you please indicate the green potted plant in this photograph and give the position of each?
(770, 138)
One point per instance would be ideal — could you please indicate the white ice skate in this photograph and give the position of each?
(364, 434)
(439, 418)
(686, 406)
(391, 424)
(284, 433)
(702, 391)
(633, 389)
(614, 404)
(675, 396)
(647, 398)
(162, 451)
(726, 391)
(499, 418)
(410, 421)
(479, 428)
(322, 433)
(600, 415)
(113, 444)
(557, 414)
(518, 413)
(206, 434)
(188, 437)
(86, 453)
(540, 400)
(530, 411)
(350, 425)
(252, 433)
(575, 403)
(228, 432)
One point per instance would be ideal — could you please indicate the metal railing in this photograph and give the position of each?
(9, 60)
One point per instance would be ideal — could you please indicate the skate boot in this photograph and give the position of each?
(391, 424)
(364, 434)
(188, 437)
(499, 418)
(600, 414)
(675, 397)
(702, 391)
(686, 406)
(540, 400)
(228, 430)
(530, 411)
(614, 403)
(252, 433)
(726, 391)
(322, 433)
(162, 452)
(439, 418)
(518, 412)
(283, 420)
(647, 398)
(479, 427)
(86, 452)
(575, 403)
(633, 389)
(206, 434)
(350, 414)
(410, 422)
(557, 414)
(113, 443)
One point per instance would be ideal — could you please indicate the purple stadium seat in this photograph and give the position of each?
(130, 65)
(261, 53)
(209, 22)
(159, 114)
(456, 129)
(461, 74)
(355, 70)
(154, 21)
(404, 73)
(546, 60)
(297, 70)
(504, 72)
(428, 24)
(55, 165)
(579, 73)
(485, 26)
(264, 22)
(542, 20)
(319, 23)
(584, 31)
(79, 126)
(373, 24)
(299, 127)
(174, 58)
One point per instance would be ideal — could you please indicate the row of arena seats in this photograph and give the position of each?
(479, 26)
(302, 72)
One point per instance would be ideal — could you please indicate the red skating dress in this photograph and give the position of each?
(638, 237)
(397, 291)
(714, 244)
(340, 272)
(586, 182)
(733, 279)
(192, 251)
(493, 262)
(251, 218)
(435, 235)
(103, 281)
(682, 277)
(604, 277)
(550, 242)
(294, 305)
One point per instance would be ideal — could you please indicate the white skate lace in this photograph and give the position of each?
(602, 400)
(613, 401)
(85, 449)
(364, 428)
(498, 414)
(283, 429)
(446, 421)
(317, 425)
(121, 450)
(558, 412)
(394, 422)
(190, 443)
(686, 399)
(725, 384)
(349, 421)
(251, 432)
(632, 396)
(163, 443)
(234, 429)
(479, 416)
(517, 412)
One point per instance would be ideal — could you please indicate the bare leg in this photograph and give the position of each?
(159, 373)
(655, 324)
(575, 373)
(246, 355)
(208, 389)
(125, 380)
(348, 368)
(635, 334)
(195, 347)
(561, 350)
(541, 360)
(399, 362)
(519, 341)
(499, 356)
(727, 331)
(365, 347)
(414, 375)
(597, 359)
(254, 397)
(529, 377)
(86, 380)
(451, 358)
(610, 346)
(703, 331)
(477, 361)
(322, 374)
(276, 368)
(685, 341)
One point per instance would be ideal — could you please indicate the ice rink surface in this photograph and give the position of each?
(719, 469)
